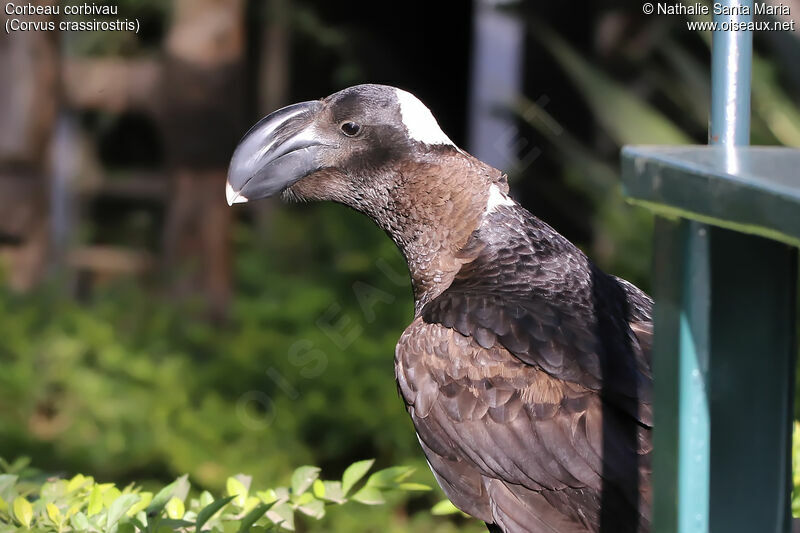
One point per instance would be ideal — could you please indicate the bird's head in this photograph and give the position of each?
(378, 150)
(341, 148)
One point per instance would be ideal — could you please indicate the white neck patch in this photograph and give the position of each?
(419, 121)
(496, 199)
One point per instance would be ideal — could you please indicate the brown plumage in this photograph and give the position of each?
(526, 369)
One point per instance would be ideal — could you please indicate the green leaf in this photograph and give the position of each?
(127, 527)
(354, 473)
(53, 513)
(95, 501)
(20, 464)
(369, 496)
(303, 477)
(79, 521)
(76, 482)
(182, 487)
(238, 490)
(74, 508)
(174, 524)
(251, 517)
(110, 494)
(315, 509)
(776, 108)
(413, 487)
(444, 507)
(332, 492)
(138, 523)
(23, 510)
(210, 510)
(206, 498)
(164, 495)
(318, 488)
(175, 508)
(626, 117)
(7, 481)
(282, 514)
(144, 500)
(388, 478)
(119, 507)
(303, 499)
(267, 496)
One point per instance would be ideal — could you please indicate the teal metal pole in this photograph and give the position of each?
(750, 341)
(751, 336)
(725, 332)
(729, 125)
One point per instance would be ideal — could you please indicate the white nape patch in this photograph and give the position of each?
(419, 121)
(232, 196)
(496, 199)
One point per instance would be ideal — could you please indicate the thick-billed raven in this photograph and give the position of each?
(526, 369)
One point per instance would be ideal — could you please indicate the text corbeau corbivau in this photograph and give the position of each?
(58, 16)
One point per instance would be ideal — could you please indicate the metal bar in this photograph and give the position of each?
(688, 288)
(731, 60)
(725, 344)
(752, 325)
(680, 359)
(730, 443)
(729, 125)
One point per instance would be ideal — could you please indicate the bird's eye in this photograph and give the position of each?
(351, 129)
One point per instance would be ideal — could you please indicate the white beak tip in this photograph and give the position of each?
(232, 196)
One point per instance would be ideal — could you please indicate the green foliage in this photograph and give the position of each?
(28, 502)
(129, 382)
(129, 386)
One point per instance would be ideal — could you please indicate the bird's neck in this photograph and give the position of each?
(430, 213)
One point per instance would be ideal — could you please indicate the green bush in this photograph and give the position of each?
(128, 386)
(27, 502)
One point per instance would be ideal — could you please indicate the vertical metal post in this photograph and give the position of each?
(751, 335)
(731, 60)
(682, 426)
(729, 125)
(725, 346)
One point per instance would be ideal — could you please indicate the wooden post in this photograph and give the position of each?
(28, 108)
(203, 111)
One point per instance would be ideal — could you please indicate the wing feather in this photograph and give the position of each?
(485, 413)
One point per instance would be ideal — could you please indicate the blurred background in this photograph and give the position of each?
(146, 329)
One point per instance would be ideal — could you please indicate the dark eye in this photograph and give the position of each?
(351, 129)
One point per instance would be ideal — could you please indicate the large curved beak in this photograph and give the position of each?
(279, 150)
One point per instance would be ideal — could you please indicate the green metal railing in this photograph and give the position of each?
(725, 274)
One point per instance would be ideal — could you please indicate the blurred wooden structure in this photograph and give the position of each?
(194, 95)
(28, 109)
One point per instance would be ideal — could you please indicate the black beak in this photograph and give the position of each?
(279, 150)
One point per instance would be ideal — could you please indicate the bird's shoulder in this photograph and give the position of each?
(527, 289)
